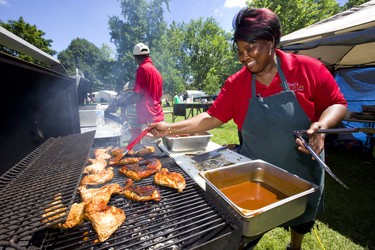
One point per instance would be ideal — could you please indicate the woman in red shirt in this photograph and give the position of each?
(271, 96)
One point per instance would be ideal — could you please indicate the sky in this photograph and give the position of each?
(65, 20)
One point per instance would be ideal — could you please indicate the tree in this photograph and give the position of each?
(209, 54)
(29, 33)
(85, 56)
(196, 55)
(353, 3)
(142, 21)
(297, 14)
(171, 60)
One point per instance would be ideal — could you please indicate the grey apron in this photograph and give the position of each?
(267, 134)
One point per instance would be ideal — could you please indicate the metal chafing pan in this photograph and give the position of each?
(188, 142)
(254, 222)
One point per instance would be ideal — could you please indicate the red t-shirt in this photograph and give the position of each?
(313, 84)
(149, 83)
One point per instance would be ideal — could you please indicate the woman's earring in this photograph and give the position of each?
(270, 51)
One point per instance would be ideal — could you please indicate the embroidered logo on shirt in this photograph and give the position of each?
(295, 86)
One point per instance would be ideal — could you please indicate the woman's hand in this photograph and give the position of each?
(316, 140)
(160, 129)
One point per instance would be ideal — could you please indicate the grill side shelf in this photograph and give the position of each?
(38, 191)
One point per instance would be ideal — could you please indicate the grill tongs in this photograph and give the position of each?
(327, 169)
(132, 144)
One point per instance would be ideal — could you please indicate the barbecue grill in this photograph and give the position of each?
(47, 180)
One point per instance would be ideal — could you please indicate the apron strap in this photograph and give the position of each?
(283, 83)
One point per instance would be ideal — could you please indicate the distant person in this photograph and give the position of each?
(93, 99)
(147, 92)
(176, 99)
(167, 104)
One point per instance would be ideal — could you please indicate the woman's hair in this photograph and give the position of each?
(251, 25)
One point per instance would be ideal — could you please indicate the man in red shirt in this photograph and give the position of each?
(149, 86)
(147, 92)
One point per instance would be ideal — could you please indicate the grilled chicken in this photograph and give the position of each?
(125, 161)
(118, 155)
(119, 151)
(96, 166)
(102, 153)
(138, 171)
(88, 193)
(106, 221)
(99, 178)
(140, 193)
(146, 150)
(54, 211)
(75, 216)
(170, 179)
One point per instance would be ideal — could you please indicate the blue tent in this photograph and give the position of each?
(345, 43)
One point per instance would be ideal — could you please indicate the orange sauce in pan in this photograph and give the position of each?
(252, 195)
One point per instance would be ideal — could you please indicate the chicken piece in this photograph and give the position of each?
(96, 166)
(146, 150)
(97, 203)
(75, 216)
(88, 193)
(102, 153)
(137, 171)
(119, 151)
(106, 221)
(99, 178)
(170, 179)
(125, 161)
(140, 193)
(55, 210)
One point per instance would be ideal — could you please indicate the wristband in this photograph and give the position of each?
(169, 128)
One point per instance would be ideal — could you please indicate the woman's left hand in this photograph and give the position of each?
(316, 140)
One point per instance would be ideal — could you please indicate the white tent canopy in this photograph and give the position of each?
(343, 40)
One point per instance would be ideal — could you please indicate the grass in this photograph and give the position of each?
(348, 220)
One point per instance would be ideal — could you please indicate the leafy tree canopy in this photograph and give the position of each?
(85, 56)
(142, 21)
(297, 14)
(29, 33)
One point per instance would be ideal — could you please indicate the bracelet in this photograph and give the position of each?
(169, 128)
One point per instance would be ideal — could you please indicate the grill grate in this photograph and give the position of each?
(179, 221)
(29, 188)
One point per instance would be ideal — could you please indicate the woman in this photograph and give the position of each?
(273, 94)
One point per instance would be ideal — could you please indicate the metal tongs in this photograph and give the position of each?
(327, 169)
(132, 144)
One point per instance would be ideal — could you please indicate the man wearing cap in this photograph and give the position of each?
(148, 90)
(148, 86)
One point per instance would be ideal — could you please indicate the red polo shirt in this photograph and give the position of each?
(149, 83)
(313, 84)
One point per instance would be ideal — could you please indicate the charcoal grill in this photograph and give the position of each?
(52, 172)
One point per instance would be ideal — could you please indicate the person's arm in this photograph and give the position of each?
(330, 117)
(129, 99)
(196, 124)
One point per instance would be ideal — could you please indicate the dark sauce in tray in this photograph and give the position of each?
(252, 195)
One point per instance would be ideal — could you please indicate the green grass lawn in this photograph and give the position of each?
(348, 220)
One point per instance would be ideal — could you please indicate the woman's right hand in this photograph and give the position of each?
(160, 129)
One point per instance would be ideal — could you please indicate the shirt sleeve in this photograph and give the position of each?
(327, 92)
(140, 80)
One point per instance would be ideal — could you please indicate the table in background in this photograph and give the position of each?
(370, 123)
(188, 110)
